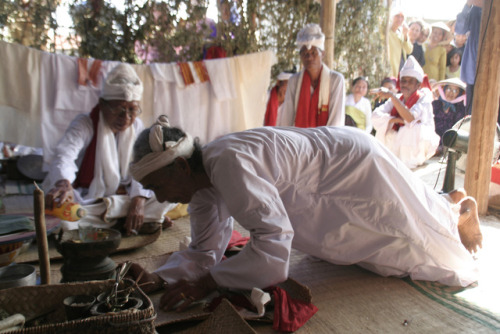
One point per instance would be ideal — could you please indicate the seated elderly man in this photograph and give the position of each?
(331, 192)
(316, 95)
(91, 164)
(405, 123)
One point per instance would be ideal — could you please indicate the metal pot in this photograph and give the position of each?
(17, 275)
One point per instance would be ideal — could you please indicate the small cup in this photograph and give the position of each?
(86, 231)
(78, 307)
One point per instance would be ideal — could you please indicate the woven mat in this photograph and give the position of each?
(352, 300)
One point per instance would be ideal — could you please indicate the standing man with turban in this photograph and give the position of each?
(316, 95)
(91, 164)
(405, 123)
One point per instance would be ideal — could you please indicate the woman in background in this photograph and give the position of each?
(449, 108)
(358, 107)
(435, 53)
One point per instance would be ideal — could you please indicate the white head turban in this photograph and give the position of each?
(412, 69)
(164, 153)
(122, 83)
(311, 35)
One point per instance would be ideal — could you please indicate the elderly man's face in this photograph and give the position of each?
(170, 183)
(312, 58)
(119, 114)
(408, 86)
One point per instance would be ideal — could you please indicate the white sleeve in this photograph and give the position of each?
(422, 111)
(381, 116)
(336, 104)
(367, 108)
(255, 203)
(210, 233)
(75, 140)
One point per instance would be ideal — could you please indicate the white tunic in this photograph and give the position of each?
(365, 106)
(415, 142)
(332, 192)
(70, 151)
(336, 101)
(66, 163)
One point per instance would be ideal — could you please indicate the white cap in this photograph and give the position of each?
(122, 83)
(412, 68)
(311, 35)
(284, 76)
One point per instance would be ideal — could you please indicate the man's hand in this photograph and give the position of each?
(183, 293)
(381, 93)
(135, 217)
(62, 192)
(148, 282)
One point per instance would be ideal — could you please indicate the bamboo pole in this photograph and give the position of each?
(41, 235)
(484, 107)
(328, 28)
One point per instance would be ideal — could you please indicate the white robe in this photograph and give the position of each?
(68, 156)
(415, 142)
(336, 101)
(332, 192)
(363, 105)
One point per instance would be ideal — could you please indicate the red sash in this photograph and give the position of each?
(409, 103)
(272, 108)
(86, 173)
(308, 114)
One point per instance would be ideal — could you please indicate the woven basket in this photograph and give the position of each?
(44, 304)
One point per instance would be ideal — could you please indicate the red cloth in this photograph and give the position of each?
(272, 108)
(215, 52)
(495, 173)
(289, 314)
(409, 103)
(237, 240)
(86, 76)
(308, 114)
(86, 171)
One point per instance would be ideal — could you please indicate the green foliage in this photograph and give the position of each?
(106, 33)
(279, 23)
(28, 22)
(177, 30)
(360, 27)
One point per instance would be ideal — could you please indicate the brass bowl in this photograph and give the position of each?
(71, 246)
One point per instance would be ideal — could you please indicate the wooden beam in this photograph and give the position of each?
(328, 27)
(484, 107)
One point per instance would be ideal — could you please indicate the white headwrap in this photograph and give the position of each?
(311, 35)
(122, 83)
(412, 69)
(164, 153)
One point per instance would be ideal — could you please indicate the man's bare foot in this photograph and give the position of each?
(167, 222)
(457, 195)
(468, 225)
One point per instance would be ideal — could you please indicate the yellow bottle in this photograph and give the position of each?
(68, 211)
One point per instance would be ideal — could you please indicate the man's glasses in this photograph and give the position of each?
(313, 52)
(453, 90)
(119, 110)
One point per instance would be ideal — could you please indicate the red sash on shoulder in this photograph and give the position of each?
(86, 173)
(308, 114)
(409, 103)
(272, 108)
